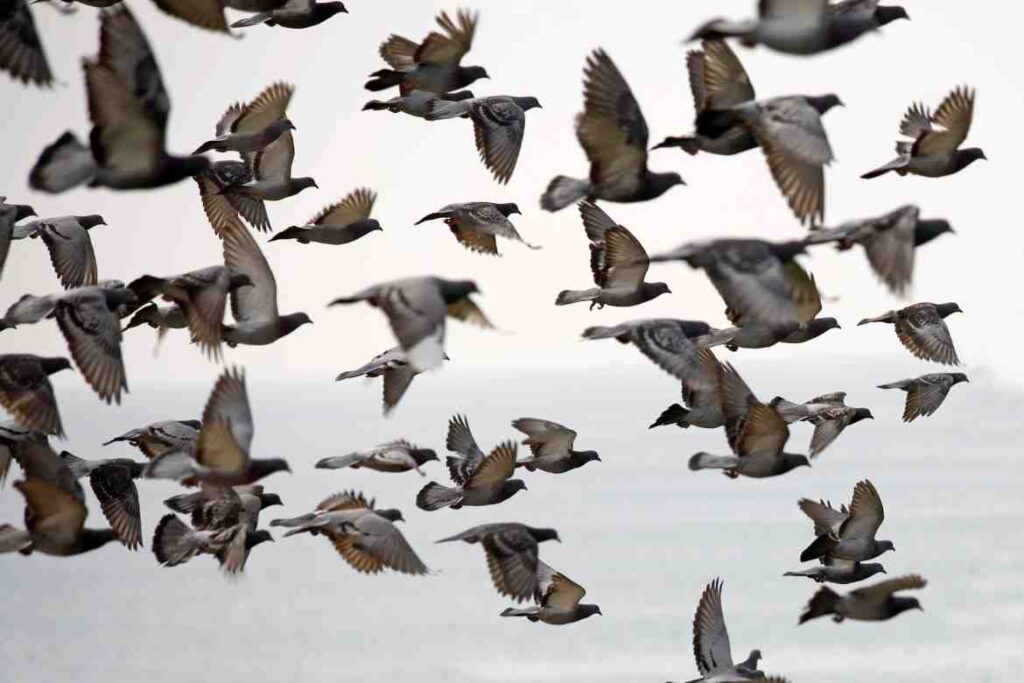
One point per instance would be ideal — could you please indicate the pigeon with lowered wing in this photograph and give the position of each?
(67, 240)
(393, 456)
(876, 602)
(393, 366)
(926, 393)
(340, 223)
(477, 225)
(26, 393)
(113, 482)
(552, 446)
(175, 543)
(160, 318)
(558, 600)
(847, 533)
(829, 414)
(248, 128)
(700, 394)
(670, 344)
(157, 438)
(921, 328)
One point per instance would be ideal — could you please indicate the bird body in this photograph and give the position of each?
(921, 329)
(418, 103)
(552, 446)
(926, 393)
(700, 394)
(876, 602)
(340, 223)
(557, 600)
(394, 456)
(840, 571)
(477, 225)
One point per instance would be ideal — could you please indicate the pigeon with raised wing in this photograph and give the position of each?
(847, 533)
(558, 600)
(670, 344)
(921, 328)
(925, 393)
(394, 368)
(340, 223)
(26, 393)
(552, 446)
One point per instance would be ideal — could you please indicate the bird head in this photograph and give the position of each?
(508, 209)
(949, 308)
(886, 14)
(256, 537)
(527, 103)
(271, 465)
(472, 73)
(861, 414)
(303, 183)
(52, 365)
(792, 461)
(957, 378)
(589, 456)
(884, 546)
(541, 535)
(373, 224)
(656, 289)
(822, 103)
(332, 8)
(589, 611)
(91, 221)
(422, 455)
(268, 499)
(515, 485)
(826, 324)
(284, 124)
(871, 568)
(904, 604)
(392, 515)
(755, 657)
(22, 211)
(293, 321)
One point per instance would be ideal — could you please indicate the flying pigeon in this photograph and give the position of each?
(700, 394)
(876, 602)
(925, 393)
(67, 240)
(21, 50)
(340, 223)
(295, 14)
(175, 543)
(394, 368)
(393, 456)
(9, 215)
(670, 344)
(209, 14)
(847, 533)
(26, 393)
(552, 446)
(418, 103)
(113, 482)
(157, 438)
(829, 414)
(248, 128)
(921, 328)
(558, 600)
(840, 571)
(477, 225)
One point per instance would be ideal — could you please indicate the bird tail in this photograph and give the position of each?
(902, 384)
(294, 521)
(211, 146)
(563, 191)
(64, 164)
(445, 109)
(338, 462)
(383, 79)
(529, 464)
(818, 548)
(253, 20)
(292, 233)
(174, 542)
(433, 496)
(717, 29)
(184, 503)
(811, 573)
(600, 332)
(789, 411)
(377, 105)
(687, 143)
(433, 216)
(707, 461)
(575, 296)
(79, 467)
(675, 414)
(823, 602)
(894, 165)
(531, 611)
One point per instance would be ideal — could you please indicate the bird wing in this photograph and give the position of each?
(125, 50)
(202, 296)
(208, 14)
(717, 78)
(866, 513)
(762, 432)
(666, 345)
(468, 312)
(828, 427)
(27, 395)
(460, 440)
(226, 435)
(359, 559)
(226, 122)
(269, 106)
(890, 251)
(416, 311)
(954, 116)
(625, 261)
(476, 240)
(396, 382)
(595, 221)
(119, 500)
(450, 47)
(93, 334)
(125, 137)
(275, 160)
(242, 255)
(495, 468)
(925, 395)
(826, 518)
(701, 389)
(924, 333)
(499, 125)
(752, 281)
(557, 590)
(545, 437)
(881, 591)
(21, 51)
(345, 500)
(734, 394)
(710, 638)
(399, 52)
(51, 512)
(71, 252)
(356, 206)
(512, 561)
(381, 539)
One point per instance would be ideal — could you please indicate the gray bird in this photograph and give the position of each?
(394, 368)
(794, 412)
(718, 81)
(700, 396)
(922, 330)
(829, 415)
(480, 479)
(840, 571)
(129, 108)
(418, 103)
(876, 602)
(499, 125)
(272, 178)
(618, 262)
(435, 65)
(393, 456)
(248, 128)
(175, 543)
(889, 241)
(340, 223)
(711, 646)
(416, 308)
(477, 225)
(552, 446)
(9, 215)
(670, 344)
(229, 174)
(558, 600)
(113, 482)
(614, 135)
(21, 50)
(26, 393)
(805, 27)
(512, 555)
(756, 432)
(67, 240)
(12, 435)
(295, 14)
(157, 438)
(935, 149)
(214, 507)
(847, 533)
(160, 318)
(926, 393)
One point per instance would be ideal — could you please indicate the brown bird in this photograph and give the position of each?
(26, 392)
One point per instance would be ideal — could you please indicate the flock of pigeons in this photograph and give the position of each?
(770, 298)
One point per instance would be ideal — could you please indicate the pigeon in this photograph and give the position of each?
(618, 262)
(935, 152)
(711, 646)
(840, 571)
(393, 456)
(129, 108)
(512, 555)
(158, 438)
(160, 318)
(220, 456)
(847, 533)
(760, 281)
(209, 14)
(477, 225)
(499, 124)
(9, 215)
(295, 14)
(718, 81)
(214, 507)
(921, 328)
(925, 393)
(254, 308)
(670, 344)
(552, 446)
(805, 27)
(416, 308)
(613, 133)
(340, 223)
(418, 103)
(394, 368)
(558, 600)
(480, 479)
(876, 602)
(67, 240)
(112, 481)
(700, 394)
(433, 65)
(26, 393)
(21, 50)
(754, 336)
(829, 415)
(889, 242)
(175, 543)
(756, 432)
(271, 174)
(366, 538)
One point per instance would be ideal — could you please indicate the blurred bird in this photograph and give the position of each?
(26, 393)
(840, 571)
(9, 215)
(340, 223)
(552, 446)
(512, 555)
(393, 456)
(477, 225)
(876, 602)
(922, 330)
(157, 438)
(160, 318)
(209, 14)
(700, 394)
(175, 543)
(558, 600)
(21, 50)
(295, 14)
(925, 393)
(113, 482)
(828, 415)
(394, 368)
(670, 344)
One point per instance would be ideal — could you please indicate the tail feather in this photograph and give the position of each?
(433, 496)
(174, 542)
(707, 461)
(675, 414)
(520, 611)
(255, 19)
(818, 548)
(575, 296)
(211, 146)
(563, 191)
(292, 233)
(377, 105)
(823, 602)
(600, 332)
(338, 462)
(383, 79)
(64, 164)
(901, 384)
(433, 216)
(687, 143)
(294, 521)
(811, 573)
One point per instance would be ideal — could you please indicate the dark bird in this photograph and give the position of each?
(435, 65)
(614, 135)
(340, 223)
(418, 103)
(921, 328)
(558, 600)
(847, 533)
(209, 14)
(129, 108)
(160, 318)
(67, 240)
(113, 482)
(876, 602)
(670, 344)
(935, 150)
(618, 262)
(157, 438)
(394, 368)
(552, 446)
(829, 414)
(21, 50)
(26, 393)
(925, 393)
(9, 215)
(840, 571)
(295, 14)
(477, 225)
(393, 456)
(700, 396)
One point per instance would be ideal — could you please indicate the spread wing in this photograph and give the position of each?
(512, 561)
(545, 437)
(624, 263)
(954, 116)
(269, 106)
(51, 512)
(242, 255)
(21, 51)
(499, 125)
(226, 435)
(495, 468)
(356, 206)
(866, 512)
(925, 396)
(125, 136)
(890, 251)
(26, 393)
(717, 78)
(924, 333)
(71, 253)
(119, 499)
(557, 590)
(881, 591)
(826, 518)
(710, 638)
(93, 334)
(208, 14)
(275, 160)
(450, 47)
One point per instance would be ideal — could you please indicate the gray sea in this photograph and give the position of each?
(641, 533)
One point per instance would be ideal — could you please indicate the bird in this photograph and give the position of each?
(216, 507)
(209, 14)
(829, 417)
(477, 225)
(393, 456)
(21, 50)
(847, 533)
(157, 438)
(480, 479)
(416, 308)
(9, 215)
(393, 366)
(552, 446)
(618, 262)
(925, 393)
(499, 125)
(876, 602)
(718, 81)
(365, 537)
(129, 109)
(756, 432)
(295, 14)
(67, 240)
(341, 223)
(890, 242)
(272, 178)
(435, 65)
(416, 103)
(700, 394)
(175, 543)
(220, 455)
(711, 646)
(557, 600)
(935, 152)
(614, 135)
(248, 128)
(805, 28)
(840, 571)
(921, 328)
(26, 393)
(670, 344)
(113, 482)
(512, 555)
(160, 318)
(760, 281)
(754, 336)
